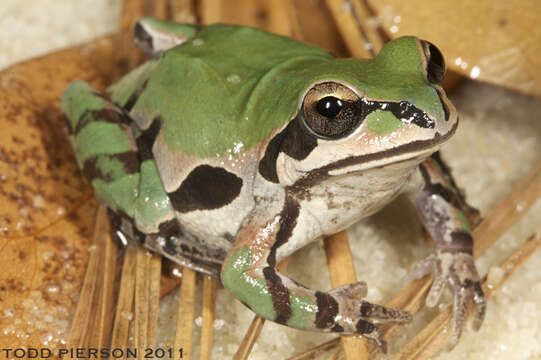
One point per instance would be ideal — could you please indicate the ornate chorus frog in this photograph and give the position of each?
(232, 148)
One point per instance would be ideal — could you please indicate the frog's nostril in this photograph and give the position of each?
(435, 64)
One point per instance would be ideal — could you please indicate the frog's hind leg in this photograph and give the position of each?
(155, 36)
(104, 147)
(448, 218)
(116, 158)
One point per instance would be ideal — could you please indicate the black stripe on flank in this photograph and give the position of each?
(104, 115)
(289, 216)
(280, 295)
(206, 188)
(130, 103)
(146, 139)
(327, 309)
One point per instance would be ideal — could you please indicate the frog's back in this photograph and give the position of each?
(201, 110)
(222, 89)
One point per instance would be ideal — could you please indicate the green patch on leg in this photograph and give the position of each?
(382, 122)
(78, 98)
(303, 312)
(119, 194)
(101, 138)
(464, 220)
(152, 204)
(252, 291)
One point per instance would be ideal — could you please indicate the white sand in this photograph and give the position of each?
(498, 142)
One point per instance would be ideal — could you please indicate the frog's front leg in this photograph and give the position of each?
(250, 273)
(445, 215)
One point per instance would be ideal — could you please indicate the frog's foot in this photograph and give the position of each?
(360, 317)
(457, 270)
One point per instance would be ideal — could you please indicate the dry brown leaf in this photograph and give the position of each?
(48, 212)
(493, 41)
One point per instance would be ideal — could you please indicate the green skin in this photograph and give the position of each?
(227, 98)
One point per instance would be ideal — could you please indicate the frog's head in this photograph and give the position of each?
(362, 114)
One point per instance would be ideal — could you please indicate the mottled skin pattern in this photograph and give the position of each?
(232, 170)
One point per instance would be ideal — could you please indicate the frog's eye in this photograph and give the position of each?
(331, 110)
(435, 65)
(329, 106)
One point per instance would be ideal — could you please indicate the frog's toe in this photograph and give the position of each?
(465, 285)
(356, 290)
(381, 314)
(480, 306)
(420, 268)
(436, 290)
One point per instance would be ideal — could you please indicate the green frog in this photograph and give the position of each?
(232, 147)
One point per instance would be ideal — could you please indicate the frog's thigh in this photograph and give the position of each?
(104, 145)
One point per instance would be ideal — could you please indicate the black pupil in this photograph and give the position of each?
(329, 106)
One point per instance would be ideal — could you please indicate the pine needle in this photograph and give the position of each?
(185, 317)
(209, 305)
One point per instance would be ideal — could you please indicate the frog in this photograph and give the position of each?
(231, 148)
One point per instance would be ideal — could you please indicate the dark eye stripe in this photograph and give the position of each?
(403, 110)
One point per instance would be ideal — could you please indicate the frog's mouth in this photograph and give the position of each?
(414, 151)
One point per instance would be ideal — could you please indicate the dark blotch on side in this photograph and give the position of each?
(145, 141)
(279, 294)
(327, 309)
(206, 188)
